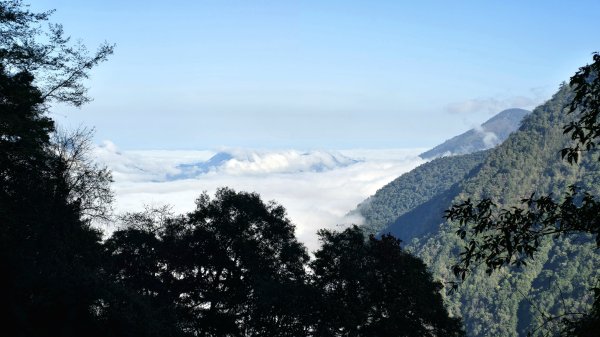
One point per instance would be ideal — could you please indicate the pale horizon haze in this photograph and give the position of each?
(318, 74)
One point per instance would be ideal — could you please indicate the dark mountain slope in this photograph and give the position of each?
(528, 161)
(423, 219)
(491, 133)
(415, 188)
(564, 269)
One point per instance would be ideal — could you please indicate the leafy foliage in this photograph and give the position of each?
(231, 267)
(374, 288)
(57, 65)
(234, 268)
(50, 257)
(512, 236)
(52, 280)
(585, 130)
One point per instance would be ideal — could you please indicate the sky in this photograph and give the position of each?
(198, 75)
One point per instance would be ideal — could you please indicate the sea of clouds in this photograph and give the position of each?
(318, 188)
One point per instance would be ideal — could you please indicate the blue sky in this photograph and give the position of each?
(318, 74)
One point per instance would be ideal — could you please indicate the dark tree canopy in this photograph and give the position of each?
(50, 257)
(374, 288)
(233, 267)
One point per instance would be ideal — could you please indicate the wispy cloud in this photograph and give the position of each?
(490, 105)
(493, 105)
(490, 139)
(314, 198)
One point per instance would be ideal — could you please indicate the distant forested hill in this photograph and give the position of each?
(489, 134)
(415, 188)
(505, 303)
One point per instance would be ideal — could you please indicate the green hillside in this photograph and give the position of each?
(410, 190)
(507, 302)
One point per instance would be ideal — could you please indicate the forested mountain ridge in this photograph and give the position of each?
(507, 303)
(415, 188)
(491, 133)
(432, 181)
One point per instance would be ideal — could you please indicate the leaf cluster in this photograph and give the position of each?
(585, 130)
(30, 43)
(502, 237)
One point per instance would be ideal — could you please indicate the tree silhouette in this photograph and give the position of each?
(232, 267)
(374, 288)
(88, 183)
(585, 130)
(30, 43)
(50, 256)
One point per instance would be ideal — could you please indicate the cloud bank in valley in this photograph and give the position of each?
(317, 188)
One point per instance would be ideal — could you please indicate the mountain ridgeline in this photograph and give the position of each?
(425, 183)
(508, 302)
(491, 133)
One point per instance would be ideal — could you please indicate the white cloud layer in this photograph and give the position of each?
(317, 188)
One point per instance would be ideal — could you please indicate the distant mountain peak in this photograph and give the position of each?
(258, 162)
(489, 134)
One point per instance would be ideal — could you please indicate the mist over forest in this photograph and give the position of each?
(341, 201)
